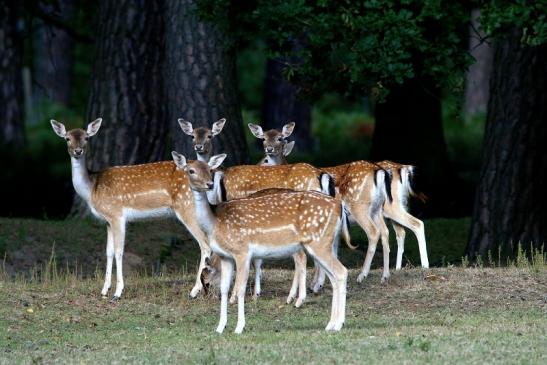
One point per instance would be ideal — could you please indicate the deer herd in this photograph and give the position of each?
(243, 214)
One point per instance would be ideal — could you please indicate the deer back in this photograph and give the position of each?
(276, 219)
(241, 181)
(143, 187)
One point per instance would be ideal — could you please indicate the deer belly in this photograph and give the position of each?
(137, 214)
(274, 252)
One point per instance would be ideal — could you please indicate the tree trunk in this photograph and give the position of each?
(409, 130)
(11, 83)
(280, 105)
(511, 196)
(54, 50)
(127, 87)
(127, 84)
(477, 80)
(201, 80)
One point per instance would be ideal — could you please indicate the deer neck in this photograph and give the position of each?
(203, 156)
(275, 160)
(204, 212)
(80, 178)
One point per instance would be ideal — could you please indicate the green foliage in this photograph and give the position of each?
(498, 16)
(354, 46)
(341, 133)
(251, 64)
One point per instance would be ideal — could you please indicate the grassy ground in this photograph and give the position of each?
(163, 245)
(476, 315)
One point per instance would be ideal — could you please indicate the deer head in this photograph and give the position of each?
(199, 173)
(76, 139)
(202, 137)
(273, 140)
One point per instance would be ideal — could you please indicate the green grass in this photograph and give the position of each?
(475, 316)
(164, 245)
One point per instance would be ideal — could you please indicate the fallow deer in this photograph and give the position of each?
(242, 181)
(396, 210)
(268, 226)
(363, 190)
(202, 137)
(122, 194)
(393, 209)
(275, 143)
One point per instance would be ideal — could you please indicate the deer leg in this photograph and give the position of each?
(399, 215)
(118, 235)
(258, 276)
(400, 234)
(320, 282)
(360, 213)
(109, 260)
(257, 263)
(226, 271)
(242, 275)
(338, 275)
(189, 221)
(384, 234)
(299, 279)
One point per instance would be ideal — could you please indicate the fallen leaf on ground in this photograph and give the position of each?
(435, 278)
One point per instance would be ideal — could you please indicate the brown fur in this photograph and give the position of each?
(268, 225)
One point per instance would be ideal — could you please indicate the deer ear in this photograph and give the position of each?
(216, 161)
(218, 125)
(93, 127)
(256, 130)
(179, 159)
(287, 129)
(287, 148)
(186, 126)
(58, 128)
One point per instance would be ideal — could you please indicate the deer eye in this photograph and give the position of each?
(280, 139)
(191, 171)
(209, 136)
(193, 137)
(67, 139)
(87, 138)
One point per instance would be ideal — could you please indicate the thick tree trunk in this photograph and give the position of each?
(201, 80)
(409, 130)
(11, 83)
(477, 80)
(54, 55)
(511, 196)
(127, 84)
(280, 105)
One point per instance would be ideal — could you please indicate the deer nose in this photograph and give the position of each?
(269, 149)
(78, 151)
(210, 185)
(199, 147)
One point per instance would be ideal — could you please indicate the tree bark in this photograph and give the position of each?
(409, 130)
(477, 80)
(127, 84)
(11, 83)
(280, 105)
(201, 74)
(511, 195)
(127, 87)
(54, 55)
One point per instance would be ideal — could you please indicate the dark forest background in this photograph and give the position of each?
(456, 88)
